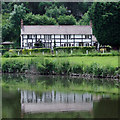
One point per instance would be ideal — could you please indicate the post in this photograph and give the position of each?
(87, 52)
(56, 52)
(43, 52)
(30, 53)
(71, 51)
(103, 51)
(18, 53)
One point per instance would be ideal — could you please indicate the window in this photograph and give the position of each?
(35, 36)
(47, 37)
(62, 45)
(87, 36)
(29, 36)
(67, 36)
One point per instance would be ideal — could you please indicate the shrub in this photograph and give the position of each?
(36, 50)
(6, 54)
(75, 49)
(3, 51)
(13, 66)
(76, 68)
(10, 54)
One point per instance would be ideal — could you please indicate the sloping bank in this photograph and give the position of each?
(56, 66)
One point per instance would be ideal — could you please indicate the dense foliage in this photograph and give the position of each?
(106, 22)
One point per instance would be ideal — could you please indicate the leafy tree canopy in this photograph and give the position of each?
(67, 20)
(55, 12)
(106, 22)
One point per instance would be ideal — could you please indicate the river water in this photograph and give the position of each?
(21, 102)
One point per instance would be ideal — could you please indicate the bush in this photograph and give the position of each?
(75, 49)
(3, 51)
(10, 54)
(13, 66)
(36, 50)
(77, 69)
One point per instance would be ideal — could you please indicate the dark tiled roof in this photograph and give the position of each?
(56, 29)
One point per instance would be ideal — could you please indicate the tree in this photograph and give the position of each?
(55, 12)
(11, 30)
(106, 23)
(85, 19)
(66, 20)
(31, 19)
(17, 14)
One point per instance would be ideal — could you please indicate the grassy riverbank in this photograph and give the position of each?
(90, 66)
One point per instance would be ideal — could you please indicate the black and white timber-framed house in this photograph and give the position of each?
(61, 35)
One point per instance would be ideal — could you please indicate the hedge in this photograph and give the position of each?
(27, 51)
(3, 51)
(36, 50)
(74, 49)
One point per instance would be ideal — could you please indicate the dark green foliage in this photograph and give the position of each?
(31, 19)
(85, 19)
(66, 20)
(55, 12)
(77, 69)
(106, 22)
(39, 44)
(13, 66)
(3, 51)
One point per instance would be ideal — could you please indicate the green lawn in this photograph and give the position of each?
(87, 60)
(106, 60)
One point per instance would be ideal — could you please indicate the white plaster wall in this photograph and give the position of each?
(25, 41)
(71, 36)
(62, 36)
(78, 40)
(86, 40)
(38, 36)
(29, 40)
(57, 36)
(70, 40)
(63, 40)
(42, 36)
(24, 36)
(83, 36)
(52, 36)
(34, 40)
(57, 40)
(57, 44)
(78, 36)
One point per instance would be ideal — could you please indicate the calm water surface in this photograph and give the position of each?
(23, 103)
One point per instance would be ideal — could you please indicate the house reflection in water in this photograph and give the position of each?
(32, 102)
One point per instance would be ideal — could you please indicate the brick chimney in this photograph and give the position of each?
(22, 24)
